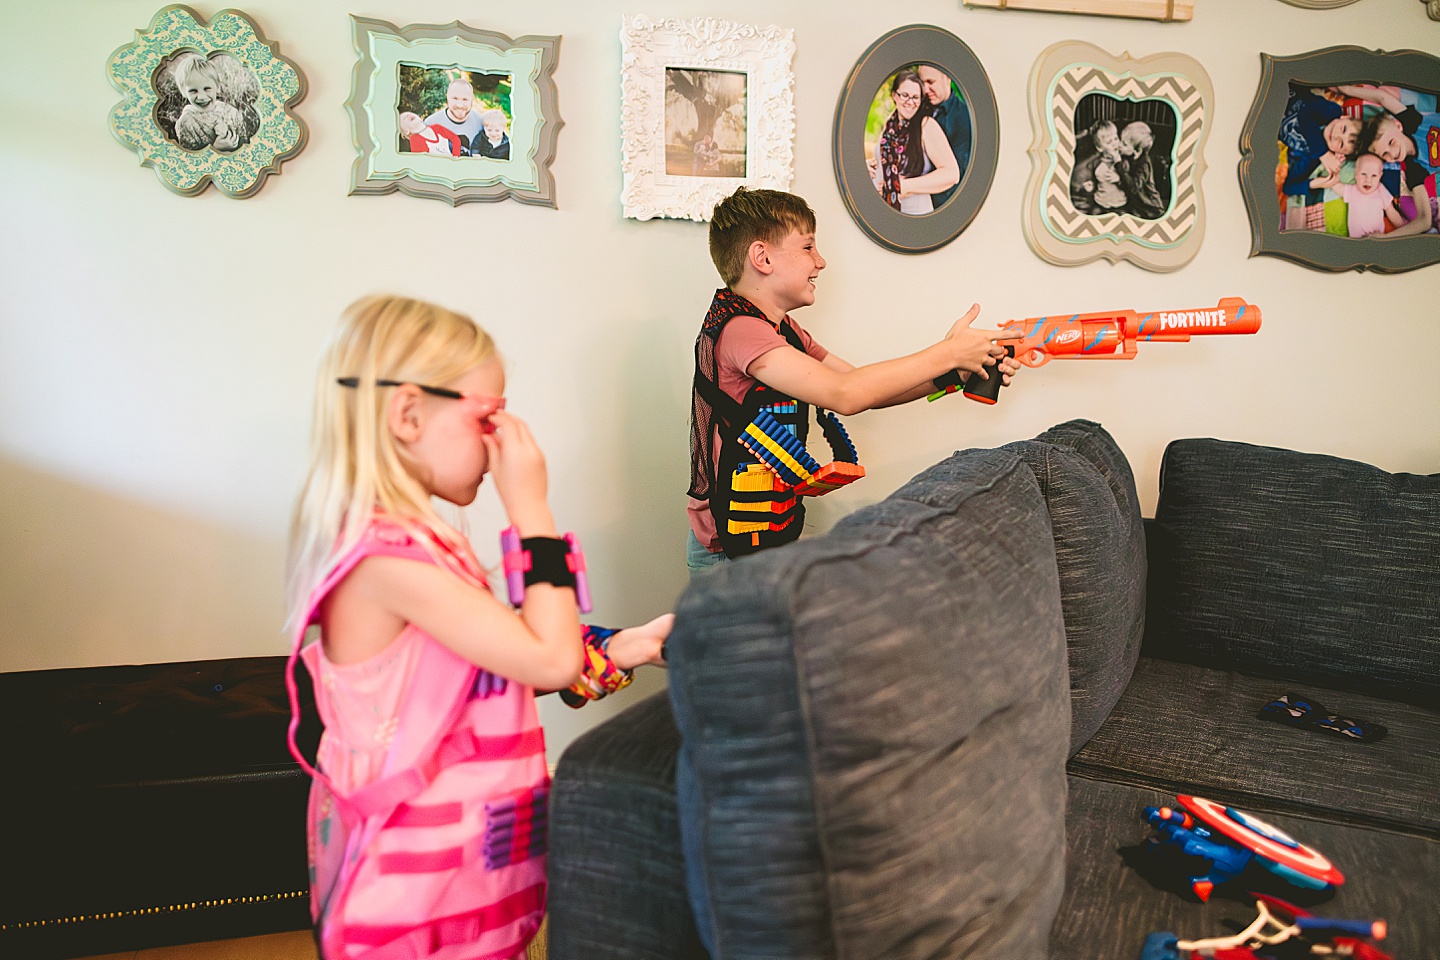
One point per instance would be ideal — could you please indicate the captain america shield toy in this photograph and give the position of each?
(1229, 839)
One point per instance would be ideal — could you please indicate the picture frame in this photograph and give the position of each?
(864, 113)
(421, 97)
(1266, 184)
(707, 106)
(1319, 4)
(233, 125)
(1139, 199)
(1166, 10)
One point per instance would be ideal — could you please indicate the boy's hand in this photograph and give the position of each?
(518, 466)
(635, 646)
(973, 350)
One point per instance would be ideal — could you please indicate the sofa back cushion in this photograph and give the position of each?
(878, 721)
(1309, 567)
(1100, 549)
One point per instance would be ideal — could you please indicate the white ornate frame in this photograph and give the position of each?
(763, 54)
(1070, 70)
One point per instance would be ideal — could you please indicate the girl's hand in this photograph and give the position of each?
(518, 466)
(635, 646)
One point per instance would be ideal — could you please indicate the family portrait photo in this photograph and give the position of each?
(1123, 151)
(206, 101)
(705, 123)
(1358, 160)
(449, 111)
(917, 139)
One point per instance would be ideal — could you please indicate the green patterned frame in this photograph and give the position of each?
(374, 124)
(1057, 232)
(238, 174)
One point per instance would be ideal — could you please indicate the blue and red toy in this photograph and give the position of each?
(1230, 839)
(1277, 922)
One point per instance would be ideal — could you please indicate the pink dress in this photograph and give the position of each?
(427, 824)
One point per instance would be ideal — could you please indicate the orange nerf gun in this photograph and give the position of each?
(1108, 335)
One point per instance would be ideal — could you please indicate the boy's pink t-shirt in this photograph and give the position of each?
(743, 341)
(1365, 212)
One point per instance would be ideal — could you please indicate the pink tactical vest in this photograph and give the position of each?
(443, 854)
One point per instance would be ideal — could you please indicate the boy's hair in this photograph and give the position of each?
(749, 215)
(196, 64)
(356, 465)
(1370, 129)
(1099, 125)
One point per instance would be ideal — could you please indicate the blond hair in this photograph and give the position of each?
(356, 465)
(749, 215)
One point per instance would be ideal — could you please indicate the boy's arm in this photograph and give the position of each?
(853, 390)
(1421, 223)
(1373, 94)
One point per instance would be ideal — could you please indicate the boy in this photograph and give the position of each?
(206, 120)
(1410, 138)
(751, 355)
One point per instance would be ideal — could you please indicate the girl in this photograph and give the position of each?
(426, 827)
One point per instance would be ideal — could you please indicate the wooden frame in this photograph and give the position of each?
(887, 226)
(379, 96)
(1260, 157)
(234, 128)
(672, 170)
(1159, 222)
(1167, 10)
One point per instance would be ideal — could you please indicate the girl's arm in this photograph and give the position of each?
(540, 648)
(946, 173)
(848, 390)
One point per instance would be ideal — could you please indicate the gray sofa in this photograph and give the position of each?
(931, 732)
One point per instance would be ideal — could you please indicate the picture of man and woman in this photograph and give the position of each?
(1123, 151)
(207, 101)
(1359, 160)
(453, 112)
(917, 139)
(705, 123)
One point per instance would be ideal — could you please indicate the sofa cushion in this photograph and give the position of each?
(617, 880)
(1117, 891)
(1100, 551)
(1193, 729)
(1298, 565)
(877, 720)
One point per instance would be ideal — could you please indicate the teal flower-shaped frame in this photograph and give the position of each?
(177, 28)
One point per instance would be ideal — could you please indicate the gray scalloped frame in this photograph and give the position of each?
(240, 173)
(1260, 154)
(903, 233)
(376, 171)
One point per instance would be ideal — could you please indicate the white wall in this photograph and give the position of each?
(156, 352)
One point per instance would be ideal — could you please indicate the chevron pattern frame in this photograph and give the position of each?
(1062, 77)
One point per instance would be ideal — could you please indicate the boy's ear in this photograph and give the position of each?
(405, 415)
(758, 255)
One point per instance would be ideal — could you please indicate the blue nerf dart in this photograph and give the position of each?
(1161, 945)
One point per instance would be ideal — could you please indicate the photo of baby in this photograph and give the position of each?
(206, 102)
(1358, 160)
(1123, 156)
(454, 112)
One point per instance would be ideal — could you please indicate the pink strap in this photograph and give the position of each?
(462, 746)
(387, 538)
(403, 941)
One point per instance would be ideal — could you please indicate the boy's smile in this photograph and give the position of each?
(795, 263)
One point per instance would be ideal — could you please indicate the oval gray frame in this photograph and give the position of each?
(1260, 152)
(904, 233)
